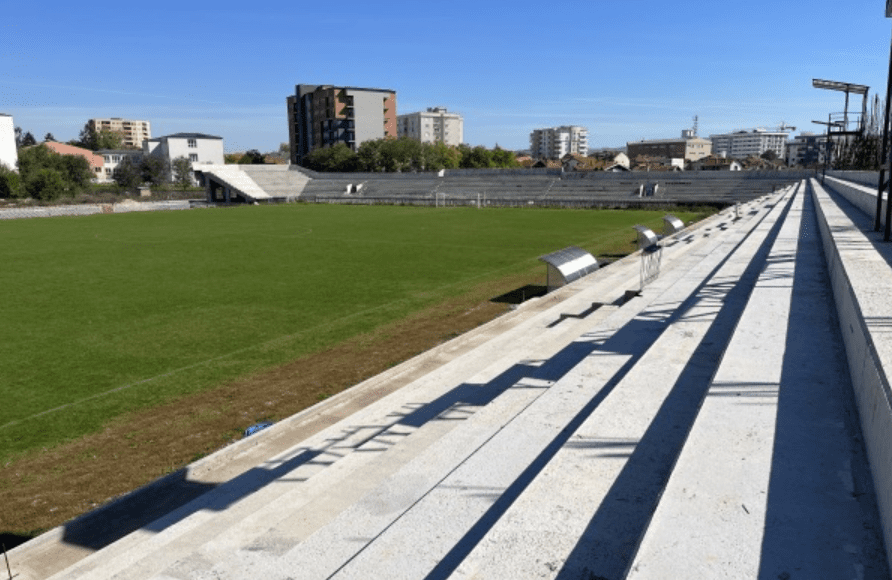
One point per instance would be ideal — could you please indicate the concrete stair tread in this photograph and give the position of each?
(252, 519)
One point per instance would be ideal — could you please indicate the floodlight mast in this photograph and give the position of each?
(886, 155)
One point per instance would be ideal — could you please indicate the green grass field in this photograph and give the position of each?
(110, 313)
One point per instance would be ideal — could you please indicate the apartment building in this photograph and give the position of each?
(133, 133)
(555, 142)
(436, 125)
(688, 147)
(752, 143)
(806, 150)
(323, 115)
(8, 154)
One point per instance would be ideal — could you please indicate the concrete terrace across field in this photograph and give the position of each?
(732, 420)
(503, 187)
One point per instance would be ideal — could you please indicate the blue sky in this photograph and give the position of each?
(626, 69)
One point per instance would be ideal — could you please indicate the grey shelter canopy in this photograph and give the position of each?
(567, 265)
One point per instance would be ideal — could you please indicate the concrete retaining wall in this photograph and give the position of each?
(860, 278)
(90, 209)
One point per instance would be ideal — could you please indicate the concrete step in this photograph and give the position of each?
(764, 485)
(604, 482)
(237, 179)
(412, 483)
(226, 517)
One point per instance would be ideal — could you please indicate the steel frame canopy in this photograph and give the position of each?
(886, 155)
(568, 265)
(840, 86)
(847, 88)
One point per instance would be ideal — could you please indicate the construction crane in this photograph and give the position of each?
(783, 126)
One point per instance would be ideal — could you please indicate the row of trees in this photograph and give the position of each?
(153, 171)
(404, 154)
(88, 139)
(45, 175)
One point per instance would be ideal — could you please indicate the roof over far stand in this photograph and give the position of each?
(568, 265)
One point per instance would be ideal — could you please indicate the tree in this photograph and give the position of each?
(338, 157)
(154, 169)
(73, 170)
(18, 137)
(182, 172)
(45, 184)
(102, 139)
(769, 155)
(10, 183)
(49, 137)
(476, 158)
(76, 171)
(402, 154)
(28, 140)
(127, 174)
(252, 157)
(503, 158)
(369, 157)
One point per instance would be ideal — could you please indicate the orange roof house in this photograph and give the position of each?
(96, 161)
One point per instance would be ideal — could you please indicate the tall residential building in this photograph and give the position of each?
(689, 147)
(743, 144)
(133, 133)
(555, 142)
(8, 154)
(806, 150)
(436, 125)
(322, 115)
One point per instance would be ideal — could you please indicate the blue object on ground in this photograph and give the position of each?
(257, 427)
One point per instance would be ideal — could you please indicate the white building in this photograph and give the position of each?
(8, 154)
(111, 158)
(198, 148)
(743, 144)
(555, 142)
(436, 125)
(133, 133)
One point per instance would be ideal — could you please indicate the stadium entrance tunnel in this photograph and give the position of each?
(219, 192)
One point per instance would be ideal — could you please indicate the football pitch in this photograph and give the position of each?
(108, 314)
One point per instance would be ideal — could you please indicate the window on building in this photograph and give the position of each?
(193, 143)
(193, 157)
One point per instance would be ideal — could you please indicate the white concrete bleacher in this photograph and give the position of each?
(237, 179)
(553, 448)
(860, 269)
(764, 485)
(278, 181)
